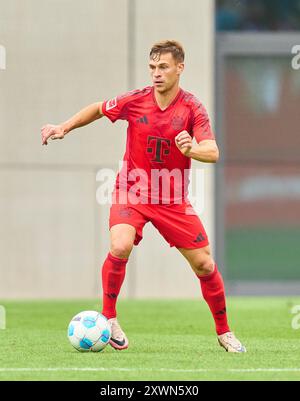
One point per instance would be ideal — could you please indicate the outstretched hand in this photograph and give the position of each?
(51, 131)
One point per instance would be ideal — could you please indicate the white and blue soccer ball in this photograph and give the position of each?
(89, 331)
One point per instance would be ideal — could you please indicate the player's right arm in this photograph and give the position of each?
(83, 117)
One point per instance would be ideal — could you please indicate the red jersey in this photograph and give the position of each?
(152, 164)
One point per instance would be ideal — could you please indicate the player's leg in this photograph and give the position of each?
(182, 228)
(212, 285)
(126, 229)
(122, 237)
(213, 292)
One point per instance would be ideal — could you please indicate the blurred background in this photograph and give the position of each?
(58, 56)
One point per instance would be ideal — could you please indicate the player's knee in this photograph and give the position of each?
(204, 266)
(121, 249)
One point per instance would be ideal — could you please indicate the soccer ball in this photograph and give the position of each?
(89, 331)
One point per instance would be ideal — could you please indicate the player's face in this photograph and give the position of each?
(165, 72)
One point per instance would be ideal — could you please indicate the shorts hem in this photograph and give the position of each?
(197, 246)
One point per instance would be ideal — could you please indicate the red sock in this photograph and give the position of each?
(214, 294)
(113, 274)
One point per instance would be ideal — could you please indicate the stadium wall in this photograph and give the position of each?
(60, 56)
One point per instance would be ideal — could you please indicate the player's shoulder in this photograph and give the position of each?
(135, 94)
(191, 100)
(117, 108)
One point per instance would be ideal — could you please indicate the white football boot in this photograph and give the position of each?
(118, 339)
(231, 343)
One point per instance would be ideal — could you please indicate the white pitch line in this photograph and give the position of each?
(266, 370)
(101, 369)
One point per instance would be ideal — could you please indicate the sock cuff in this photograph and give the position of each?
(209, 276)
(117, 261)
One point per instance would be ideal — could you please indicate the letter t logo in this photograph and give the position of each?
(159, 147)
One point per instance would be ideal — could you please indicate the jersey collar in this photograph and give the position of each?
(171, 104)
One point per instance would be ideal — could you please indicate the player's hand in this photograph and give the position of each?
(53, 132)
(184, 142)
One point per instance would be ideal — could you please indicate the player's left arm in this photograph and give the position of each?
(205, 148)
(206, 151)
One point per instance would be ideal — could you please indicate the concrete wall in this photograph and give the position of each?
(60, 56)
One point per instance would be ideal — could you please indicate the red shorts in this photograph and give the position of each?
(178, 223)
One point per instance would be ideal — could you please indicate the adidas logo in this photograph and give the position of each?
(200, 238)
(143, 120)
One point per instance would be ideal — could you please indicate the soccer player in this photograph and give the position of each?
(152, 185)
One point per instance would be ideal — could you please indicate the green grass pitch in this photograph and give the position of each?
(169, 340)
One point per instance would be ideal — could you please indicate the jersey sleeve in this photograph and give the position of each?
(118, 107)
(115, 109)
(200, 122)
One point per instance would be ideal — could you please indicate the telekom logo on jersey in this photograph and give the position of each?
(157, 145)
(162, 185)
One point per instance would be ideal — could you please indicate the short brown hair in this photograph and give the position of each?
(168, 46)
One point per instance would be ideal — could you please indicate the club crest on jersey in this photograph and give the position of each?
(177, 123)
(111, 104)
